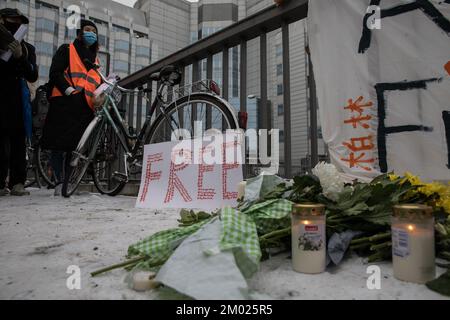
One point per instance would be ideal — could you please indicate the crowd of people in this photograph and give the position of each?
(70, 93)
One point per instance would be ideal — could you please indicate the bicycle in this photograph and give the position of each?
(113, 153)
(38, 167)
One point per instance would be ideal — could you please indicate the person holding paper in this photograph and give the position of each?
(17, 63)
(72, 99)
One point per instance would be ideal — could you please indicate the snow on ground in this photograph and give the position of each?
(41, 236)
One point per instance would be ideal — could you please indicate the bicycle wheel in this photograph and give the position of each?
(42, 161)
(205, 109)
(109, 165)
(81, 158)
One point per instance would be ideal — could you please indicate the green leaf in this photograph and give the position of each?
(441, 285)
(355, 210)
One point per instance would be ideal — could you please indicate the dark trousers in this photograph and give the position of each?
(60, 162)
(12, 157)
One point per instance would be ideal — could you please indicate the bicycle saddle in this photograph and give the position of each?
(168, 74)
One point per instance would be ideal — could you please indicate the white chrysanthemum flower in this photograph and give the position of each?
(331, 181)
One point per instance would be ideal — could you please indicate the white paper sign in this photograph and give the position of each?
(19, 36)
(191, 174)
(382, 69)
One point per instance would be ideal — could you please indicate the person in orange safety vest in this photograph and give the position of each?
(72, 100)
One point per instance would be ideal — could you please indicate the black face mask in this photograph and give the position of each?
(12, 27)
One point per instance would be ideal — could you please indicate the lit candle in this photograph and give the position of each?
(144, 281)
(309, 238)
(413, 250)
(241, 190)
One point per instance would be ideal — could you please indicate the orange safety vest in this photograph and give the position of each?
(80, 78)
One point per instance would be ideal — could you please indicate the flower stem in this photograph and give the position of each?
(275, 234)
(381, 246)
(372, 239)
(117, 266)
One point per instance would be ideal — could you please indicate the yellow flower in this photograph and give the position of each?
(414, 180)
(393, 177)
(433, 188)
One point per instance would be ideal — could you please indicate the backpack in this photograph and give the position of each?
(40, 106)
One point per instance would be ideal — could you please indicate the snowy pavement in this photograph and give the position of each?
(41, 236)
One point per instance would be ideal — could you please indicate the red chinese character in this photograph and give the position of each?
(360, 144)
(357, 161)
(447, 67)
(359, 120)
(358, 106)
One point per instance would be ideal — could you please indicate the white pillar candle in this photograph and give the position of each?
(413, 248)
(309, 239)
(241, 189)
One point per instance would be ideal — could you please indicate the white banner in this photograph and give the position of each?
(382, 69)
(192, 174)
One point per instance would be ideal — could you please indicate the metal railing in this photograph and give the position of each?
(239, 34)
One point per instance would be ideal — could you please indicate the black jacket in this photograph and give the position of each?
(11, 112)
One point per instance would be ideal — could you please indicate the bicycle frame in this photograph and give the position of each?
(120, 129)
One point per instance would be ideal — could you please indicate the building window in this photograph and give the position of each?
(42, 5)
(99, 22)
(279, 69)
(46, 25)
(280, 90)
(120, 29)
(121, 66)
(280, 109)
(103, 41)
(121, 45)
(44, 71)
(44, 48)
(278, 50)
(281, 136)
(142, 51)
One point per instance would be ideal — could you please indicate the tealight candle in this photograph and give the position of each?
(413, 250)
(309, 238)
(144, 281)
(241, 189)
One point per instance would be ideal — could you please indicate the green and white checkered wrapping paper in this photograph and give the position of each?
(240, 233)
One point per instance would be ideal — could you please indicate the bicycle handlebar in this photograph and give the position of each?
(105, 80)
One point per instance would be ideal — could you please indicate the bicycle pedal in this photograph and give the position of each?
(120, 177)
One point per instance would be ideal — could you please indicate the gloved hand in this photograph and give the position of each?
(16, 48)
(99, 100)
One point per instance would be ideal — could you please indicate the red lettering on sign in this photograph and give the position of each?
(360, 144)
(227, 167)
(359, 120)
(175, 181)
(149, 175)
(357, 106)
(203, 193)
(358, 161)
(447, 68)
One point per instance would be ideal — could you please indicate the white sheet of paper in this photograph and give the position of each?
(19, 36)
(166, 183)
(385, 105)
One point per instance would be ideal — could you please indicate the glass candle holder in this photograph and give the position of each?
(413, 249)
(309, 238)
